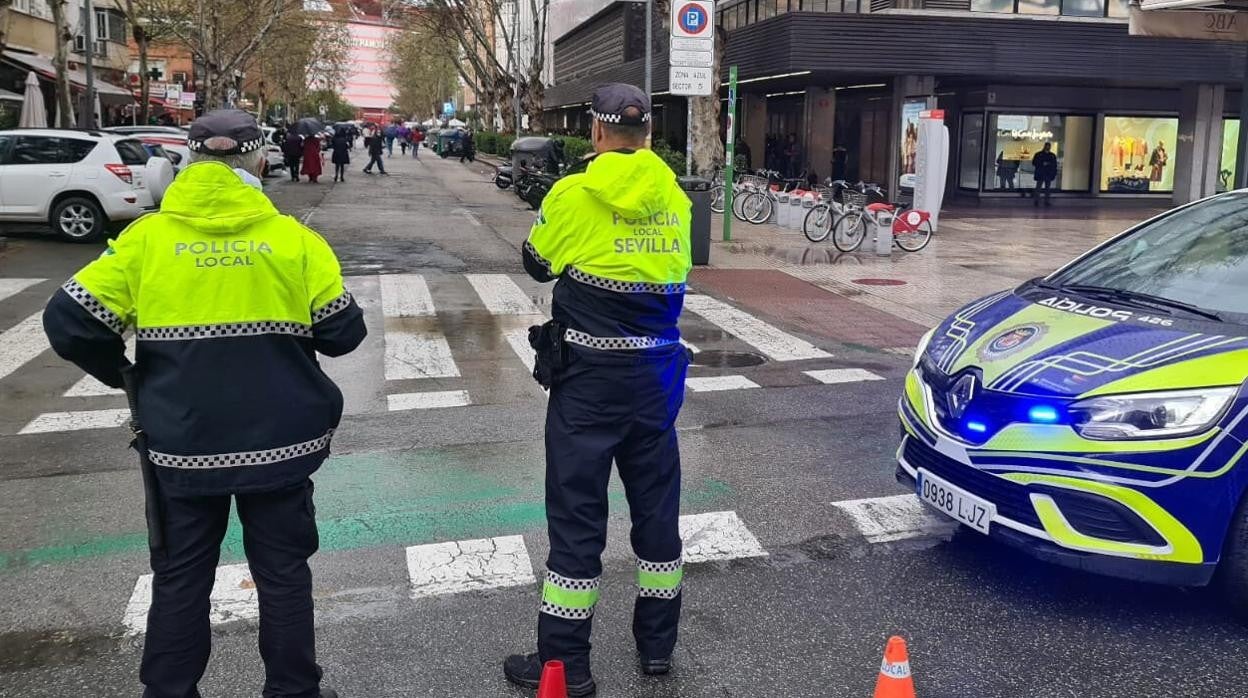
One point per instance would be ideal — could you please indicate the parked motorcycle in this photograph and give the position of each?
(504, 176)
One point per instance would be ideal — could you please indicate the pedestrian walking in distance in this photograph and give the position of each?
(376, 146)
(292, 152)
(341, 155)
(468, 147)
(614, 236)
(418, 137)
(1045, 166)
(313, 161)
(230, 301)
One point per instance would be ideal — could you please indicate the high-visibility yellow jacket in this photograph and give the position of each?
(616, 236)
(229, 301)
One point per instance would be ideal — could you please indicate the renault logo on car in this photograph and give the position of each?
(960, 395)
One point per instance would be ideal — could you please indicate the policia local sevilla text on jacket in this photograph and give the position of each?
(615, 235)
(229, 302)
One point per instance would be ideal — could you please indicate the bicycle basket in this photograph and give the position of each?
(853, 199)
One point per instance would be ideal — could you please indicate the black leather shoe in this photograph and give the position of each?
(656, 667)
(526, 670)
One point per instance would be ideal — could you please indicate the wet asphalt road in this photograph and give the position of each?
(808, 619)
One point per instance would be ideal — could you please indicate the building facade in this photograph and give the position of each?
(1129, 117)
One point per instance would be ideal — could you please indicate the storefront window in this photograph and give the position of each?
(1136, 156)
(1230, 144)
(972, 141)
(1016, 138)
(1083, 8)
(1119, 8)
(1039, 7)
(992, 5)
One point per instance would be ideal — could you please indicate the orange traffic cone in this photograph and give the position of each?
(894, 680)
(553, 684)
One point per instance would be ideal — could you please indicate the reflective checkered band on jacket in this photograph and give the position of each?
(232, 329)
(573, 599)
(337, 305)
(624, 286)
(92, 305)
(615, 343)
(234, 460)
(536, 255)
(660, 580)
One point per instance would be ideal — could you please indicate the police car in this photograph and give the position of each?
(1098, 417)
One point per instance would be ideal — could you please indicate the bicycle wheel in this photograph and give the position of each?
(758, 208)
(849, 232)
(717, 198)
(818, 223)
(738, 204)
(916, 239)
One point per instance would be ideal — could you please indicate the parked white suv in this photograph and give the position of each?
(77, 181)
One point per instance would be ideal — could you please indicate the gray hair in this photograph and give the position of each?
(249, 162)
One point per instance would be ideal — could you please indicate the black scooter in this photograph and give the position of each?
(503, 177)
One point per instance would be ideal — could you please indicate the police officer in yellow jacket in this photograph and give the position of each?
(230, 302)
(614, 235)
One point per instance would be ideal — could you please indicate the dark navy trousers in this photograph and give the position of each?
(279, 535)
(616, 407)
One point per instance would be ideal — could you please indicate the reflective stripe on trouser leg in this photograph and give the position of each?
(659, 580)
(573, 599)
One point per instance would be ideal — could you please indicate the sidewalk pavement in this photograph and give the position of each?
(971, 256)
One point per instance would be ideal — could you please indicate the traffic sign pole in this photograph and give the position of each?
(730, 151)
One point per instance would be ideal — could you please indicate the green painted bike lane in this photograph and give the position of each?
(388, 498)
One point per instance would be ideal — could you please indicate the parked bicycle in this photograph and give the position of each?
(835, 199)
(911, 228)
(759, 198)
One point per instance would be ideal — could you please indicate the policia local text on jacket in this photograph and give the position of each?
(616, 237)
(229, 301)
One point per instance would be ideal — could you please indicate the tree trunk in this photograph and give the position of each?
(534, 95)
(708, 141)
(145, 82)
(64, 97)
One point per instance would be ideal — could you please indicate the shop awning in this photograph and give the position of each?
(107, 92)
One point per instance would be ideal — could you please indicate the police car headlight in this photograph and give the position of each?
(926, 340)
(1150, 415)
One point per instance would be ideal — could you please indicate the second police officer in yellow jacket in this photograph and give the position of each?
(614, 235)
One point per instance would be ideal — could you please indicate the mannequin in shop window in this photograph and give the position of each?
(1045, 165)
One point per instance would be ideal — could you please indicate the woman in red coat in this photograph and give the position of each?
(312, 157)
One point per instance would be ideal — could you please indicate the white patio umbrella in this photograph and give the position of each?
(34, 113)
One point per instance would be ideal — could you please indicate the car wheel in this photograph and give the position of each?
(1232, 575)
(78, 219)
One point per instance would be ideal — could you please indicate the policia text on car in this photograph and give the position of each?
(230, 302)
(614, 235)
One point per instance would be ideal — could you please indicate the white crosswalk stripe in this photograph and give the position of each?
(456, 567)
(12, 287)
(501, 295)
(22, 343)
(775, 344)
(894, 518)
(423, 352)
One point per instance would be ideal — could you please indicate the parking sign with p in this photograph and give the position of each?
(693, 18)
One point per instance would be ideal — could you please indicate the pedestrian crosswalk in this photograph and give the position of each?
(437, 341)
(457, 567)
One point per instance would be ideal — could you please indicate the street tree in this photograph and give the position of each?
(307, 52)
(60, 61)
(147, 28)
(223, 36)
(708, 143)
(422, 70)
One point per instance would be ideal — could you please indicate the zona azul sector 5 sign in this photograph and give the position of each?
(692, 53)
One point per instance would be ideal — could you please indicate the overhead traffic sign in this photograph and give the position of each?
(693, 18)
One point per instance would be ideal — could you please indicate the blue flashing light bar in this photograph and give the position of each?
(1043, 414)
(977, 427)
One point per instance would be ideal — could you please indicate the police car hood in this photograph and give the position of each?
(1039, 342)
(212, 198)
(632, 184)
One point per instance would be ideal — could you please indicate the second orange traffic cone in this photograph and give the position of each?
(553, 684)
(894, 680)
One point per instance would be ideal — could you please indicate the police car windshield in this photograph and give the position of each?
(1195, 256)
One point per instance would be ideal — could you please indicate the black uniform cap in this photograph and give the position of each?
(231, 131)
(612, 100)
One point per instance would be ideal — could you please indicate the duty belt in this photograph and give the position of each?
(616, 343)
